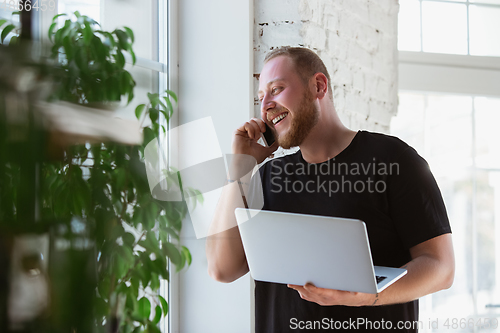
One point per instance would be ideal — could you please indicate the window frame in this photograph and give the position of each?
(466, 3)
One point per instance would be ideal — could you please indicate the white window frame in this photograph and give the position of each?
(467, 3)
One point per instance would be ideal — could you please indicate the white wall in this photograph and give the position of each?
(214, 80)
(357, 40)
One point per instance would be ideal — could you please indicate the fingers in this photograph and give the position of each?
(252, 128)
(260, 123)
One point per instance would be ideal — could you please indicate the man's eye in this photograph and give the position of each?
(275, 90)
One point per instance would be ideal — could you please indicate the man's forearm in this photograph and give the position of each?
(225, 254)
(426, 274)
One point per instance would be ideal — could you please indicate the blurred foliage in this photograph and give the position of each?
(92, 60)
(7, 27)
(135, 233)
(105, 184)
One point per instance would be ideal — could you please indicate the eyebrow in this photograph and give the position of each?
(270, 83)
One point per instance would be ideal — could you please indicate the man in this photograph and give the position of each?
(402, 207)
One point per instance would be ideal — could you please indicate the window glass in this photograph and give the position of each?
(487, 120)
(484, 27)
(409, 25)
(471, 192)
(444, 27)
(90, 8)
(449, 128)
(411, 121)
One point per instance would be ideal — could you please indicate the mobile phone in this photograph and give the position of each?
(268, 136)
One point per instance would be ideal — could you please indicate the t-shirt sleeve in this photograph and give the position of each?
(415, 202)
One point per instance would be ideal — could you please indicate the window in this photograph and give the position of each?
(458, 137)
(453, 27)
(449, 107)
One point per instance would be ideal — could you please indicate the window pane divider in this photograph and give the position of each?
(466, 2)
(450, 60)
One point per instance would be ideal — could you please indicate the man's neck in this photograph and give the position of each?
(327, 139)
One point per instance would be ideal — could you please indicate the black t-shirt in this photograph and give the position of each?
(378, 179)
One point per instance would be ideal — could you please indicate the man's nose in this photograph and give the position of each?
(267, 104)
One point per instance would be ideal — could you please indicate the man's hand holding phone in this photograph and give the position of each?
(246, 136)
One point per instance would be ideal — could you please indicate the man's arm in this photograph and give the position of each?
(226, 258)
(431, 269)
(225, 254)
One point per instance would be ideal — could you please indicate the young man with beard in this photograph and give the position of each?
(406, 219)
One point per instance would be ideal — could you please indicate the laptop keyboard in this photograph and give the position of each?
(380, 278)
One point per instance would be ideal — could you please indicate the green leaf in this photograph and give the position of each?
(170, 106)
(55, 17)
(130, 33)
(138, 330)
(120, 267)
(155, 282)
(153, 329)
(172, 252)
(134, 285)
(164, 305)
(153, 115)
(13, 40)
(160, 266)
(134, 59)
(87, 34)
(77, 14)
(6, 31)
(81, 59)
(157, 318)
(51, 30)
(139, 110)
(144, 307)
(154, 99)
(144, 270)
(128, 239)
(172, 233)
(122, 38)
(120, 59)
(109, 39)
(171, 93)
(68, 48)
(185, 252)
(149, 135)
(2, 22)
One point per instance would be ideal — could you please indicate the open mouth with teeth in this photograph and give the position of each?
(279, 118)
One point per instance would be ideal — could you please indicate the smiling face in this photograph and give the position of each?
(286, 103)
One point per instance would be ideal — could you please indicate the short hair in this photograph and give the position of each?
(306, 62)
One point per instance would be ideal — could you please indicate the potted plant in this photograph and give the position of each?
(102, 188)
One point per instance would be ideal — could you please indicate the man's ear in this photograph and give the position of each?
(320, 85)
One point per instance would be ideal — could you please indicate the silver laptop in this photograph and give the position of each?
(295, 249)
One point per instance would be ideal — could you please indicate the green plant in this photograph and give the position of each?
(8, 28)
(92, 60)
(105, 185)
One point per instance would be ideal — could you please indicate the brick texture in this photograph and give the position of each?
(357, 40)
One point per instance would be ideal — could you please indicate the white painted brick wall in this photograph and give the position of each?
(357, 40)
